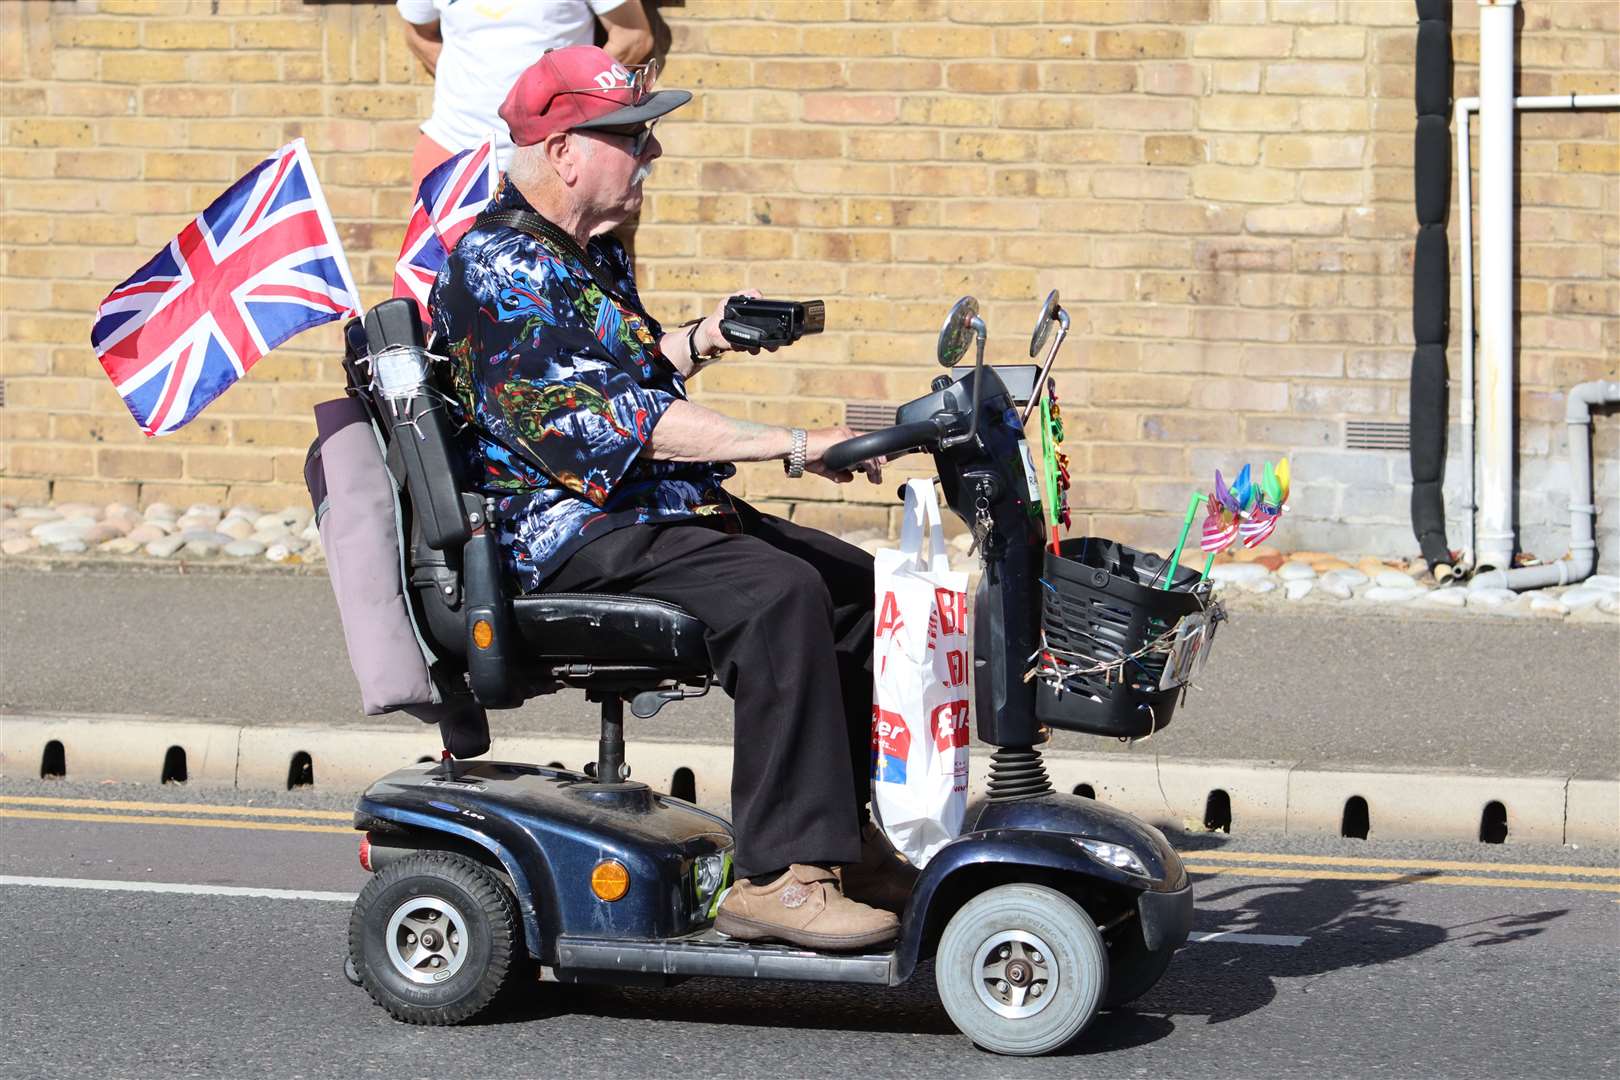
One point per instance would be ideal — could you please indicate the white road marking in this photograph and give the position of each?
(1232, 937)
(177, 887)
(1229, 937)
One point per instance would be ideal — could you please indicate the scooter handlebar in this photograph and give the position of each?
(881, 443)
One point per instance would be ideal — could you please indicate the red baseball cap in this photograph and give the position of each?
(581, 86)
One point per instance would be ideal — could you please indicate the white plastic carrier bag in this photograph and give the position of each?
(920, 692)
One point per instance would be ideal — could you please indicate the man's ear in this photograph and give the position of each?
(562, 154)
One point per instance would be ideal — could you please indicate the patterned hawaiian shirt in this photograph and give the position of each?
(564, 384)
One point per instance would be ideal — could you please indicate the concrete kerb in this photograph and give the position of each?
(1181, 793)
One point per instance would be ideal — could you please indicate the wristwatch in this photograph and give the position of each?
(794, 465)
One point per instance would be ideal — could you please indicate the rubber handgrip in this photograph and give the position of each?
(875, 444)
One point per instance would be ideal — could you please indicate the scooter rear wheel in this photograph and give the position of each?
(1021, 969)
(435, 938)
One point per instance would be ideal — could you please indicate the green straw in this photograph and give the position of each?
(1186, 525)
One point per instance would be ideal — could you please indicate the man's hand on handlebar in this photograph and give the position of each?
(816, 446)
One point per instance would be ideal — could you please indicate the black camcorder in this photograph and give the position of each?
(766, 324)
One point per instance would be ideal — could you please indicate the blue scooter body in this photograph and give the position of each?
(548, 828)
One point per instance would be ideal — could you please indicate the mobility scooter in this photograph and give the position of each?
(487, 874)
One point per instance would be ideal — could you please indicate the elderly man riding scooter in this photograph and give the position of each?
(606, 478)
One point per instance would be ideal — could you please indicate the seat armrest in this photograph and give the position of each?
(494, 648)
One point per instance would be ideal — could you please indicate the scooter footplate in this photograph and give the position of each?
(711, 953)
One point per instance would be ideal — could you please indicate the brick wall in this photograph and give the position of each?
(1219, 188)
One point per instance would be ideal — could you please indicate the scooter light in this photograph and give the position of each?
(483, 633)
(1115, 855)
(610, 880)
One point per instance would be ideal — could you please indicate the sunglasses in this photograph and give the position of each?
(641, 134)
(639, 80)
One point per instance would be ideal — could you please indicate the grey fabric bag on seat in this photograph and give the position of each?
(358, 515)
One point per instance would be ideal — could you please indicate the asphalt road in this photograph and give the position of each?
(1504, 967)
(1517, 697)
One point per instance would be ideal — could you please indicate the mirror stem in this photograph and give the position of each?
(978, 389)
(1046, 368)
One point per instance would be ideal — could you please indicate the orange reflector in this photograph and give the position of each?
(610, 880)
(483, 633)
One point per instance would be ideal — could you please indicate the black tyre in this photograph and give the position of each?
(435, 938)
(1133, 968)
(1021, 969)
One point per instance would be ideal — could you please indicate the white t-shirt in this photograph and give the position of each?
(487, 45)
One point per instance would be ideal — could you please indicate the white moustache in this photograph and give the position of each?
(642, 172)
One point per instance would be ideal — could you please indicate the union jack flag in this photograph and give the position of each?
(447, 203)
(261, 264)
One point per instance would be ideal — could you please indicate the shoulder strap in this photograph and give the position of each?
(537, 227)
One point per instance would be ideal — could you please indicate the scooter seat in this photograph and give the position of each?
(602, 628)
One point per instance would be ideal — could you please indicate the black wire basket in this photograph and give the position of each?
(1103, 608)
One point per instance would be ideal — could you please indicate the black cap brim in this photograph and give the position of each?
(657, 104)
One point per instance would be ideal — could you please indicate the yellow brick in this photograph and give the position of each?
(1588, 157)
(894, 146)
(1140, 44)
(755, 40)
(139, 464)
(1174, 149)
(40, 132)
(992, 78)
(377, 102)
(1243, 42)
(794, 143)
(845, 41)
(93, 229)
(842, 179)
(234, 68)
(185, 101)
(1349, 80)
(289, 433)
(998, 214)
(895, 74)
(277, 33)
(1315, 151)
(92, 32)
(25, 228)
(1348, 188)
(1088, 78)
(1012, 11)
(842, 247)
(142, 67)
(986, 146)
(233, 134)
(747, 243)
(91, 101)
(906, 11)
(50, 460)
(941, 247)
(1044, 42)
(1100, 147)
(947, 111)
(1332, 43)
(941, 180)
(936, 40)
(850, 108)
(223, 465)
(1247, 114)
(186, 33)
(896, 213)
(1044, 112)
(98, 164)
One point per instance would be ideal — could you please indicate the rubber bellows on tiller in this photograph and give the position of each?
(1431, 277)
(1431, 170)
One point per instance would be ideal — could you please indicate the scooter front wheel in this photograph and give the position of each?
(1021, 969)
(435, 938)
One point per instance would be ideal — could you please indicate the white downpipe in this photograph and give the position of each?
(1496, 250)
(1465, 205)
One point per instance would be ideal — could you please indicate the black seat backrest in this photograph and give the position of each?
(424, 432)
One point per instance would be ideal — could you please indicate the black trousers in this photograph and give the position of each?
(789, 612)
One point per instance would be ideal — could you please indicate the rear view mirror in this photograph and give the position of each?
(1043, 324)
(958, 332)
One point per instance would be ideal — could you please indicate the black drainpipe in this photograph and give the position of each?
(1431, 262)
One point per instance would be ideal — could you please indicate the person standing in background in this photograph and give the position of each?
(475, 50)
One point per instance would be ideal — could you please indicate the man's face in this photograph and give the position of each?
(611, 172)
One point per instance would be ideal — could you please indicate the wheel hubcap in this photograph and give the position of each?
(1015, 974)
(426, 939)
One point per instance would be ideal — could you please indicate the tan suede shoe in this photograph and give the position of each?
(883, 878)
(803, 907)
